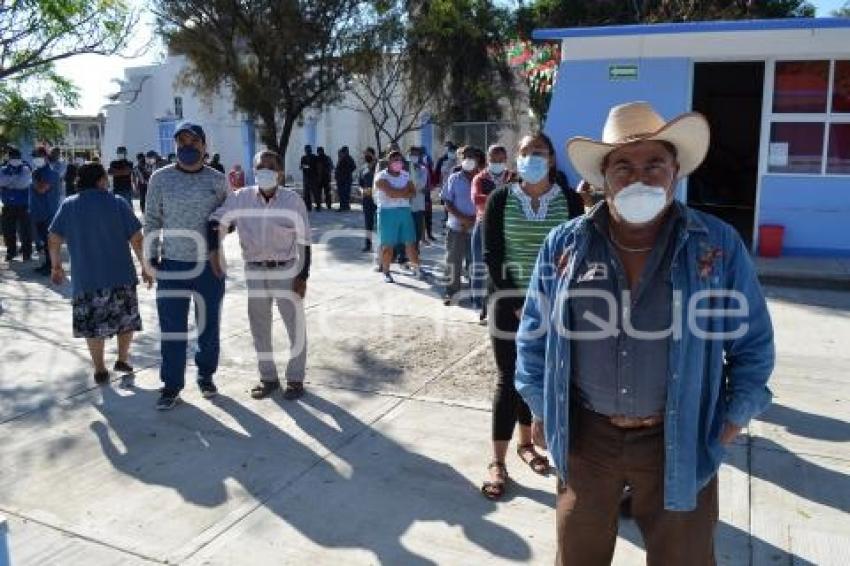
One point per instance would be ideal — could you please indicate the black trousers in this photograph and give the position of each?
(325, 187)
(16, 222)
(312, 193)
(143, 195)
(370, 210)
(508, 406)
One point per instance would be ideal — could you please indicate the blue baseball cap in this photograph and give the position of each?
(192, 128)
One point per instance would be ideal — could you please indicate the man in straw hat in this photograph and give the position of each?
(645, 346)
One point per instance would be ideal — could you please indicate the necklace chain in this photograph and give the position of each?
(626, 248)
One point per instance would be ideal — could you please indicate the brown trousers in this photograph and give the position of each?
(602, 460)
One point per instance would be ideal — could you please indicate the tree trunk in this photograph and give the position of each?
(269, 133)
(283, 143)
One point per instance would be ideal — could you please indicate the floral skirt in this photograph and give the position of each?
(106, 312)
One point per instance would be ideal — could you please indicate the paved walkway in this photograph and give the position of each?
(381, 462)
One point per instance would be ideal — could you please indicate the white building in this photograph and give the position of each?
(152, 100)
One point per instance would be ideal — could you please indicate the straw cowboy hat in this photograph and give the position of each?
(637, 121)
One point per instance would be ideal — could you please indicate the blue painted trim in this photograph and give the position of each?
(692, 27)
(815, 252)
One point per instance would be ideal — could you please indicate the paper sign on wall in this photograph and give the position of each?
(777, 154)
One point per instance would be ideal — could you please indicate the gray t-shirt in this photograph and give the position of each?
(180, 203)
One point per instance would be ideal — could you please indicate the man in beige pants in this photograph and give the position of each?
(275, 235)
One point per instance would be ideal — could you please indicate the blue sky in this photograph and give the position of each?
(93, 74)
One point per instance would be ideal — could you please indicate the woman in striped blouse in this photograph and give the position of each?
(517, 219)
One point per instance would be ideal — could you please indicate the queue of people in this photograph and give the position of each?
(641, 406)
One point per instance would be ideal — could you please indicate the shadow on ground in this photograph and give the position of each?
(385, 491)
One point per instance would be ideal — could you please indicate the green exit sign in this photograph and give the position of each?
(622, 72)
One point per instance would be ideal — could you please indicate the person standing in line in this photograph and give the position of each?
(344, 176)
(326, 168)
(366, 180)
(651, 396)
(394, 190)
(181, 198)
(97, 227)
(519, 215)
(45, 197)
(419, 176)
(236, 177)
(215, 163)
(60, 166)
(15, 183)
(446, 165)
(457, 198)
(310, 172)
(121, 171)
(71, 175)
(274, 233)
(494, 176)
(428, 238)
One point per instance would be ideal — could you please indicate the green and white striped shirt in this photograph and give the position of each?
(526, 229)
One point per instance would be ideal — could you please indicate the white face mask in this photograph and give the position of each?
(266, 178)
(496, 168)
(38, 162)
(639, 203)
(15, 162)
(469, 165)
(79, 161)
(150, 160)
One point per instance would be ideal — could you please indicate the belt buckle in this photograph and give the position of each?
(622, 421)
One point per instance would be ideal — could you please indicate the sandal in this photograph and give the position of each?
(539, 464)
(294, 390)
(264, 389)
(495, 489)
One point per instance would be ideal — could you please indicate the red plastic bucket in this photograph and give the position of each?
(770, 240)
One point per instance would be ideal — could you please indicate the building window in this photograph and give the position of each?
(810, 118)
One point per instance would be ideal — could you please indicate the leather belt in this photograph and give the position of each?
(269, 263)
(621, 421)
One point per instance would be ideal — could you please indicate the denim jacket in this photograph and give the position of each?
(711, 379)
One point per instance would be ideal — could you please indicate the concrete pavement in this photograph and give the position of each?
(381, 462)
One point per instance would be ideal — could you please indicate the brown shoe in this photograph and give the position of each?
(264, 389)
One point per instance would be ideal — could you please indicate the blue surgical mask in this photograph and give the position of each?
(38, 162)
(188, 155)
(532, 168)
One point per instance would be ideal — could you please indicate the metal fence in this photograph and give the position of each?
(479, 134)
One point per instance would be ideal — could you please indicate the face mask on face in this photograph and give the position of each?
(496, 168)
(395, 166)
(266, 178)
(469, 165)
(79, 161)
(188, 155)
(150, 160)
(122, 156)
(38, 161)
(15, 162)
(532, 168)
(639, 203)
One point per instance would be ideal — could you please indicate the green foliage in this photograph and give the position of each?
(457, 51)
(34, 34)
(22, 118)
(568, 13)
(843, 12)
(278, 57)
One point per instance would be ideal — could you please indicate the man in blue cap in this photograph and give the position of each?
(180, 199)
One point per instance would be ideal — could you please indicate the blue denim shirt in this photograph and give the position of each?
(710, 380)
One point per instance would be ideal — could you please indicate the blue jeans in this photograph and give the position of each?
(172, 305)
(478, 272)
